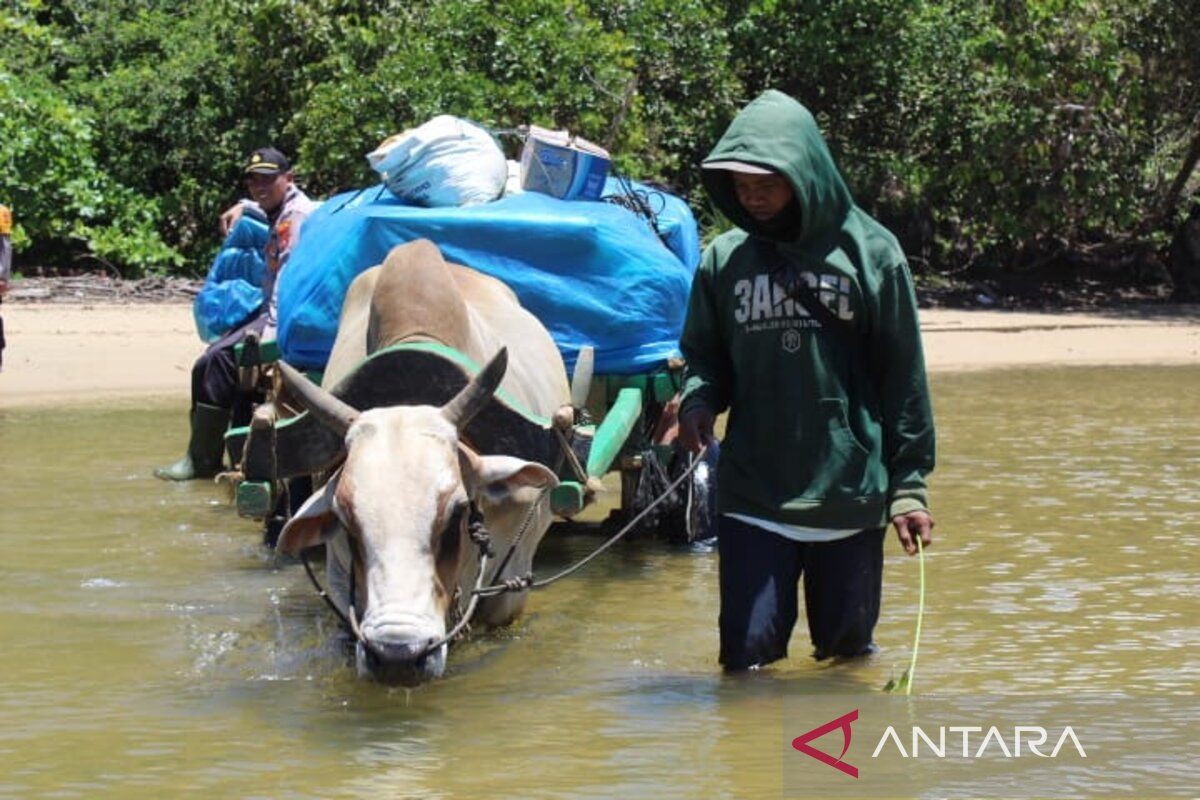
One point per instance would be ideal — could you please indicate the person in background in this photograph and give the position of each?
(802, 322)
(274, 196)
(5, 266)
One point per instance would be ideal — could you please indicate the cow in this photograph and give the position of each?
(392, 516)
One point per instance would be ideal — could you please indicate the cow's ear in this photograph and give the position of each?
(498, 476)
(314, 523)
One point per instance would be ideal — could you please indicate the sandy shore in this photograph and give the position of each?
(75, 353)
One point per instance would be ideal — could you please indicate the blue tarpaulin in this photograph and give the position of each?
(233, 290)
(594, 273)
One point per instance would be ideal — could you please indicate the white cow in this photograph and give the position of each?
(395, 512)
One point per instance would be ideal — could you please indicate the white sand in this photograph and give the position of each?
(77, 353)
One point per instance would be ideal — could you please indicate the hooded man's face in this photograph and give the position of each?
(763, 196)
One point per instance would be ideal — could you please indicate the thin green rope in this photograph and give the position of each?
(912, 667)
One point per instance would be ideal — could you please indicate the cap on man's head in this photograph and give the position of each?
(267, 161)
(738, 166)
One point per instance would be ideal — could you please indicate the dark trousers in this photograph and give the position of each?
(759, 576)
(215, 373)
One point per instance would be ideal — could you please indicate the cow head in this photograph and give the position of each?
(398, 510)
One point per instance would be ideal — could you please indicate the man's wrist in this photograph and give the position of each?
(901, 506)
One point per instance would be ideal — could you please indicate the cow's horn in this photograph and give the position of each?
(331, 411)
(475, 395)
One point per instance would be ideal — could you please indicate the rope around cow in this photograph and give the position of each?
(479, 534)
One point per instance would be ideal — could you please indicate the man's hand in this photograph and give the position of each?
(696, 428)
(911, 525)
(229, 218)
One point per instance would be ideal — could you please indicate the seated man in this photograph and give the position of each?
(270, 182)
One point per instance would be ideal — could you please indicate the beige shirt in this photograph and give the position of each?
(283, 236)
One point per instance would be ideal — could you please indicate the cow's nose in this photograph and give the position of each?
(401, 652)
(398, 663)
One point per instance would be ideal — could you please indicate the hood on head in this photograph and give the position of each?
(779, 133)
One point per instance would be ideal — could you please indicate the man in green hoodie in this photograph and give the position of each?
(802, 322)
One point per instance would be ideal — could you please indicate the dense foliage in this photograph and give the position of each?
(1000, 134)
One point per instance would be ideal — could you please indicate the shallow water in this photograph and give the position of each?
(152, 648)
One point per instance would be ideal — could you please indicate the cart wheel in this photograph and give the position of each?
(700, 506)
(689, 514)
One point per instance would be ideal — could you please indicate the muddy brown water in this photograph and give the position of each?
(152, 648)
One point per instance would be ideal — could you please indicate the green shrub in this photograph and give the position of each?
(64, 204)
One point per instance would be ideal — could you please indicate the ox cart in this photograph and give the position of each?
(608, 283)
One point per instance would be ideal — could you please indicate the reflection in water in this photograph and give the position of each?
(152, 648)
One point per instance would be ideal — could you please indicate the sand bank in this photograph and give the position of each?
(60, 353)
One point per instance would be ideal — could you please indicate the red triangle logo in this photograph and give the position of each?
(801, 743)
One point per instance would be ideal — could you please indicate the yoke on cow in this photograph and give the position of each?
(417, 373)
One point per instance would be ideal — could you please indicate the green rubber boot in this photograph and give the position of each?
(206, 449)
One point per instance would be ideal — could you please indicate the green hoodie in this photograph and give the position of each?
(827, 429)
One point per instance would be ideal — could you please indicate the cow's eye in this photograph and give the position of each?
(450, 538)
(497, 491)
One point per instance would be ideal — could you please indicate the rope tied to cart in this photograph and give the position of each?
(528, 581)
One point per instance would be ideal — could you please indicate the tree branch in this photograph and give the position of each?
(1185, 173)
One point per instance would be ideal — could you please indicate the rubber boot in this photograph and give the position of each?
(206, 448)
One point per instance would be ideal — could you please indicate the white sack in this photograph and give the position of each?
(445, 162)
